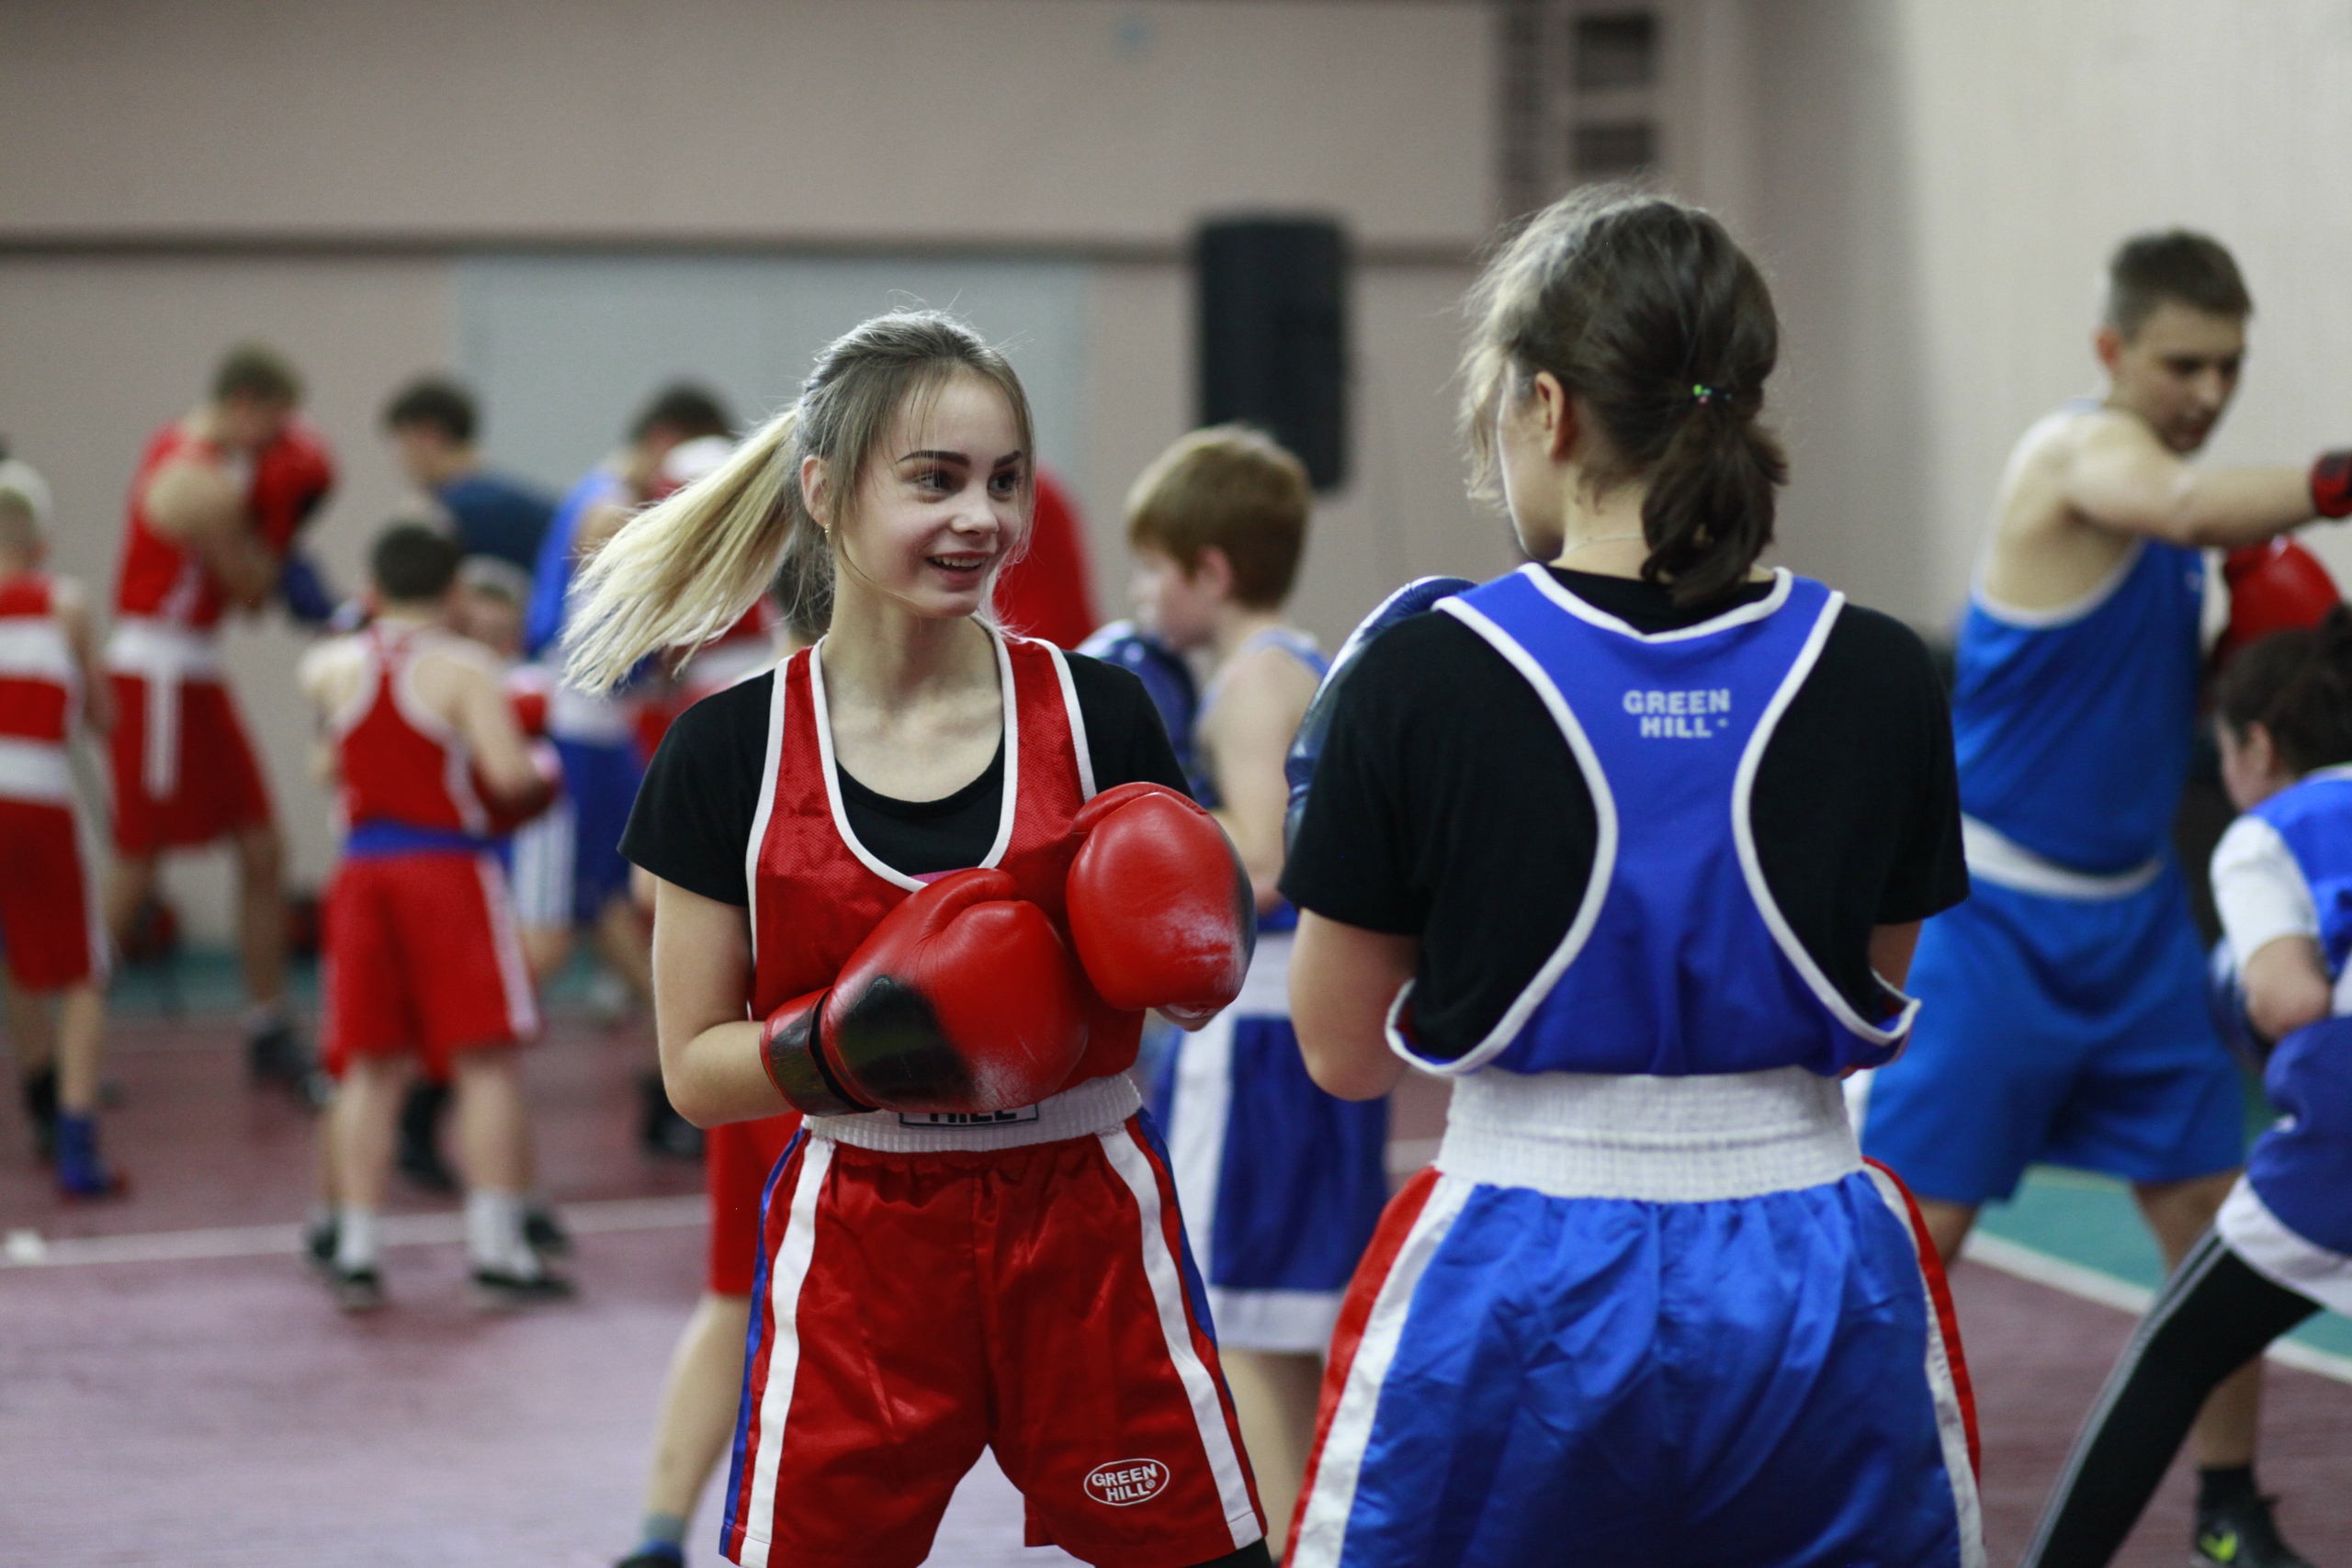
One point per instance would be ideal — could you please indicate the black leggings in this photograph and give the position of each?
(2215, 1315)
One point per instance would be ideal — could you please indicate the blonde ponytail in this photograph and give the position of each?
(684, 570)
(680, 573)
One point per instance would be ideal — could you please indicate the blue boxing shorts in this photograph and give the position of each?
(1521, 1379)
(1282, 1185)
(2067, 1030)
(600, 784)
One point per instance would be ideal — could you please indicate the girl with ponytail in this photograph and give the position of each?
(2280, 1248)
(1632, 844)
(916, 885)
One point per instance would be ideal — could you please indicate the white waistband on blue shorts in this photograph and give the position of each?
(1996, 858)
(1095, 1105)
(1661, 1140)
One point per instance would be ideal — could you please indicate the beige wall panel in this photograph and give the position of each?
(1402, 513)
(918, 120)
(1956, 177)
(95, 354)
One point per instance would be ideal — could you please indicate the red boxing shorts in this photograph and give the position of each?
(184, 771)
(420, 956)
(913, 1309)
(48, 906)
(736, 1159)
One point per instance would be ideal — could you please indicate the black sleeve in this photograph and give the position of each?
(1123, 733)
(1446, 805)
(1857, 803)
(693, 818)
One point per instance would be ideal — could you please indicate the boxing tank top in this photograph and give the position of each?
(2073, 727)
(1284, 916)
(817, 891)
(41, 685)
(1678, 960)
(161, 579)
(2303, 1166)
(405, 773)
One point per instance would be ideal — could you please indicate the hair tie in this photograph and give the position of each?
(1702, 393)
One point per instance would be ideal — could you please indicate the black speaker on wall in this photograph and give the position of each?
(1273, 326)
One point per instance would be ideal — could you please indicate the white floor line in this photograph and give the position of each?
(30, 1250)
(2090, 1285)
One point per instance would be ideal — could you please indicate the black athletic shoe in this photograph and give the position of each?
(660, 1129)
(277, 1055)
(2242, 1534)
(319, 1239)
(496, 1288)
(356, 1290)
(39, 1089)
(543, 1232)
(419, 1157)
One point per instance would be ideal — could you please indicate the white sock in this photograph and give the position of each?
(355, 1237)
(494, 1233)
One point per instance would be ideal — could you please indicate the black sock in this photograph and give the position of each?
(2221, 1485)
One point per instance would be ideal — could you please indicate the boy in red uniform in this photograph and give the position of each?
(422, 957)
(220, 495)
(49, 908)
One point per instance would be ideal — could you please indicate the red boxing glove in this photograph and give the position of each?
(291, 476)
(2275, 586)
(962, 1000)
(2331, 483)
(508, 812)
(1160, 909)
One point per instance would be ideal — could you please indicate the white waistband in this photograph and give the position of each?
(35, 769)
(575, 716)
(1266, 990)
(162, 649)
(2002, 860)
(1095, 1105)
(1662, 1140)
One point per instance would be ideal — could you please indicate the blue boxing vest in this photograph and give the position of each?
(2303, 1166)
(1678, 960)
(1284, 916)
(2073, 728)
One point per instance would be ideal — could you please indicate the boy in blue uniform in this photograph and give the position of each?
(569, 874)
(2281, 1248)
(2064, 1017)
(1281, 1183)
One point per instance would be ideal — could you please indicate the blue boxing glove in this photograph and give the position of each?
(307, 598)
(1298, 767)
(2225, 996)
(1165, 676)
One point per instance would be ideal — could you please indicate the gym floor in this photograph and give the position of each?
(174, 1388)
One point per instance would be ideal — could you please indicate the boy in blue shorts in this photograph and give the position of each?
(2063, 1016)
(1281, 1183)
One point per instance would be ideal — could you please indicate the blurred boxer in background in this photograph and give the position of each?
(219, 496)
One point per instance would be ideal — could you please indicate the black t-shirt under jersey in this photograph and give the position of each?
(1447, 806)
(693, 818)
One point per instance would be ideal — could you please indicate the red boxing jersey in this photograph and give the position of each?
(816, 891)
(162, 578)
(1045, 593)
(398, 763)
(40, 683)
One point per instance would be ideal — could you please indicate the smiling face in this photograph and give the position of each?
(2179, 371)
(945, 500)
